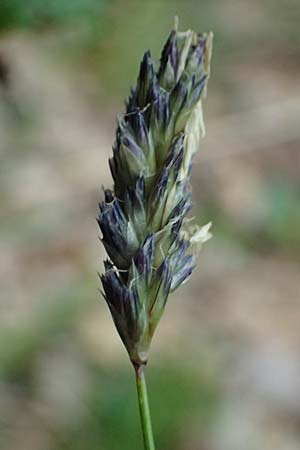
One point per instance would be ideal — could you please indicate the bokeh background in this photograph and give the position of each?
(225, 361)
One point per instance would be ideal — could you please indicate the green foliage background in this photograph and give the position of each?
(89, 50)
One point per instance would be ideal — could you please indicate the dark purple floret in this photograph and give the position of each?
(182, 207)
(197, 90)
(161, 109)
(108, 195)
(175, 151)
(114, 226)
(183, 273)
(160, 186)
(130, 143)
(146, 80)
(169, 53)
(165, 274)
(144, 258)
(139, 128)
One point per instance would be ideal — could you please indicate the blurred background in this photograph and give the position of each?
(225, 361)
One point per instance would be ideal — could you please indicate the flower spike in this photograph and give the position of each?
(151, 250)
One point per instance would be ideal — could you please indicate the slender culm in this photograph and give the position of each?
(150, 243)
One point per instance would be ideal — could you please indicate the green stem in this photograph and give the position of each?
(144, 408)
